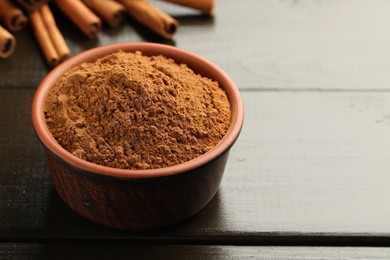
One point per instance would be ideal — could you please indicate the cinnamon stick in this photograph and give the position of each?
(31, 5)
(43, 38)
(110, 11)
(7, 43)
(54, 33)
(81, 16)
(153, 18)
(205, 6)
(12, 16)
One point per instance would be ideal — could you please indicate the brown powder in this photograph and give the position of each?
(131, 111)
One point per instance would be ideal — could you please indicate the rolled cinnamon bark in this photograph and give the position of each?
(31, 5)
(81, 16)
(54, 33)
(12, 16)
(7, 43)
(206, 6)
(110, 11)
(148, 15)
(43, 38)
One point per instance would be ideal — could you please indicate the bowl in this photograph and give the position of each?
(138, 199)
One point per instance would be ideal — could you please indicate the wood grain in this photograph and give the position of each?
(311, 167)
(307, 167)
(126, 251)
(310, 162)
(287, 45)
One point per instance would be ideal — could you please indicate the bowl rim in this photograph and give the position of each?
(49, 142)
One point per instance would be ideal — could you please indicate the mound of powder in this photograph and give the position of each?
(131, 111)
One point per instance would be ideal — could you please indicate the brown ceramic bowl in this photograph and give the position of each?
(138, 199)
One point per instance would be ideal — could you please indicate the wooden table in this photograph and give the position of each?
(309, 176)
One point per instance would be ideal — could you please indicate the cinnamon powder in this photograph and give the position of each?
(131, 111)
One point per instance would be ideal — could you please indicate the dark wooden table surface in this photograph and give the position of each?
(309, 176)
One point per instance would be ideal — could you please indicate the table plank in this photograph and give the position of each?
(126, 251)
(287, 45)
(308, 168)
(311, 162)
